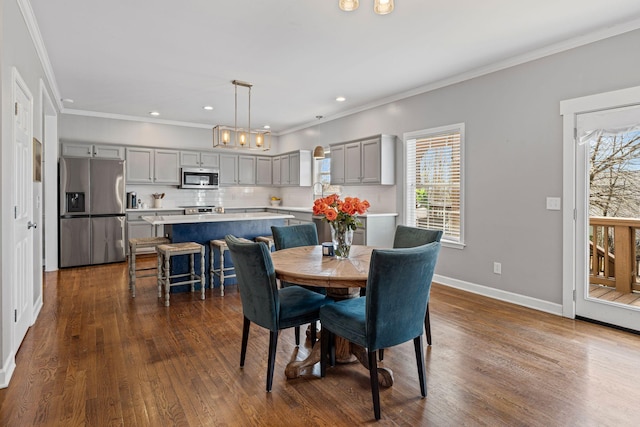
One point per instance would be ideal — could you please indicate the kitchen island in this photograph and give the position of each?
(203, 228)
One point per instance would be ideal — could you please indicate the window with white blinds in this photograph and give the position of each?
(434, 180)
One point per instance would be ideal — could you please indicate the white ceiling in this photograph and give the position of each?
(129, 57)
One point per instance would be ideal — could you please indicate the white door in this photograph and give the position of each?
(22, 198)
(600, 128)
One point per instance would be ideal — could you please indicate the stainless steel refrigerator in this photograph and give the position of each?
(92, 211)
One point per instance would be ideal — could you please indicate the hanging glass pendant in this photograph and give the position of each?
(382, 7)
(348, 5)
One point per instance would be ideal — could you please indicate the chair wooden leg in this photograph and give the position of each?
(314, 333)
(427, 326)
(324, 351)
(273, 344)
(245, 338)
(417, 343)
(296, 331)
(202, 274)
(381, 354)
(375, 388)
(332, 349)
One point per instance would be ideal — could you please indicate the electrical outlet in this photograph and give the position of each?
(497, 268)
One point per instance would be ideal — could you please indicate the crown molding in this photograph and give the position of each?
(552, 49)
(135, 118)
(36, 37)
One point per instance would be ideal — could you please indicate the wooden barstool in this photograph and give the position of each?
(165, 252)
(221, 246)
(267, 240)
(134, 245)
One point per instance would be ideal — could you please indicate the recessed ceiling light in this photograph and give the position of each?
(154, 113)
(341, 99)
(69, 100)
(267, 127)
(207, 107)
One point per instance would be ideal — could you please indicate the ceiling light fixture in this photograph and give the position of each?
(381, 7)
(348, 5)
(318, 152)
(154, 113)
(341, 99)
(238, 137)
(207, 107)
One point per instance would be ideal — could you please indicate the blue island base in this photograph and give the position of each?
(204, 232)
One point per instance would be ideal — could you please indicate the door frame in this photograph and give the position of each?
(49, 117)
(570, 109)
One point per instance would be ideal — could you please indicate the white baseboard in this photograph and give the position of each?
(6, 373)
(534, 303)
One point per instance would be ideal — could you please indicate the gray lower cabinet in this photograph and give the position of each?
(138, 228)
(374, 231)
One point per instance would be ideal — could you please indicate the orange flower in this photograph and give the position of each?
(341, 211)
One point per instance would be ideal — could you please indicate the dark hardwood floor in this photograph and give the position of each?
(97, 357)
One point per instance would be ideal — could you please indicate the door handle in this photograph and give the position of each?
(31, 225)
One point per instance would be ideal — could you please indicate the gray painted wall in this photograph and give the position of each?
(513, 155)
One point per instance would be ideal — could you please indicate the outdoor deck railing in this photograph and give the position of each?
(613, 259)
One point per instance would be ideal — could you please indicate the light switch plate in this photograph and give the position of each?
(553, 203)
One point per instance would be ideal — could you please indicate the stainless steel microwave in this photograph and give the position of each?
(199, 178)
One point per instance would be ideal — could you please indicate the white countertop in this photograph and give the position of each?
(302, 209)
(194, 219)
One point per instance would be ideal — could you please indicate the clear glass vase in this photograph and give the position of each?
(342, 238)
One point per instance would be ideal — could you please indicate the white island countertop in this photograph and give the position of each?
(195, 219)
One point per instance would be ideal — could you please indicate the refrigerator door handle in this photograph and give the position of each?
(31, 225)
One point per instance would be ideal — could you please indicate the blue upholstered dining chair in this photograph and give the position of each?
(262, 302)
(293, 236)
(392, 312)
(409, 237)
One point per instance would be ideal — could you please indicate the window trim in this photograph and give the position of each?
(425, 133)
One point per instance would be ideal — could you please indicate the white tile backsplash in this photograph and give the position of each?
(224, 196)
(382, 198)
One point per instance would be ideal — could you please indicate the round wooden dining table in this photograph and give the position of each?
(306, 265)
(342, 279)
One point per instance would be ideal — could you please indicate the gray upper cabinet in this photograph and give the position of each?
(364, 161)
(167, 167)
(294, 169)
(263, 170)
(246, 170)
(337, 164)
(276, 170)
(149, 166)
(139, 166)
(228, 169)
(92, 150)
(198, 159)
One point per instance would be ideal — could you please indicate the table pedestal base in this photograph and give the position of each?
(346, 352)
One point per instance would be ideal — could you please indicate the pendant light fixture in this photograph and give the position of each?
(239, 137)
(348, 5)
(381, 7)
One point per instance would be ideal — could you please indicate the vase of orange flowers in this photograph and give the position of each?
(342, 216)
